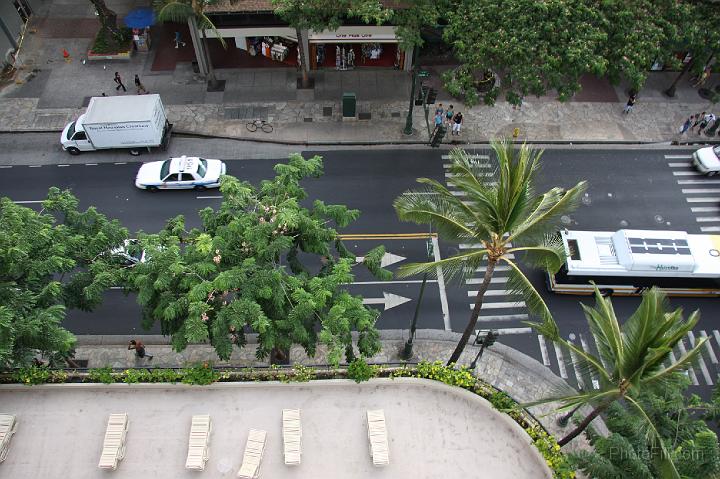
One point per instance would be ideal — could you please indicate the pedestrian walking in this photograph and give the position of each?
(119, 82)
(438, 121)
(178, 40)
(449, 114)
(457, 123)
(138, 84)
(688, 123)
(630, 103)
(704, 122)
(710, 120)
(439, 110)
(139, 348)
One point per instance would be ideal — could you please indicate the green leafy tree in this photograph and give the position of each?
(261, 263)
(631, 358)
(110, 38)
(626, 452)
(639, 33)
(49, 261)
(321, 15)
(413, 17)
(533, 46)
(192, 12)
(500, 214)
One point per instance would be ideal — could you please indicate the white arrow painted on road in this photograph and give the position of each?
(387, 259)
(389, 300)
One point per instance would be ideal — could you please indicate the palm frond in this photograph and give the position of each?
(429, 206)
(606, 331)
(173, 11)
(519, 284)
(549, 255)
(204, 23)
(544, 215)
(454, 267)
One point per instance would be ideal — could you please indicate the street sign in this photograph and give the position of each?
(423, 74)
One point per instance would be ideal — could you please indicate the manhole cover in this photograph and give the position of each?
(624, 223)
(565, 219)
(659, 219)
(586, 200)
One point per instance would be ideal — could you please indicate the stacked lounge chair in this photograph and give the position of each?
(254, 448)
(199, 442)
(292, 434)
(114, 443)
(7, 429)
(377, 435)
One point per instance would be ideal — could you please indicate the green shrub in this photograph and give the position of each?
(201, 374)
(101, 375)
(39, 375)
(303, 374)
(360, 371)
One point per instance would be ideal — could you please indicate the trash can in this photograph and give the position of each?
(349, 105)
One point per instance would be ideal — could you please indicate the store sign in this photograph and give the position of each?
(356, 34)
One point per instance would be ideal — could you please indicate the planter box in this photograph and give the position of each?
(91, 56)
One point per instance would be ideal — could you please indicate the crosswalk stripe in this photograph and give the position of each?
(690, 370)
(698, 182)
(707, 219)
(574, 361)
(679, 165)
(500, 267)
(702, 200)
(503, 317)
(705, 209)
(602, 360)
(701, 361)
(708, 346)
(485, 175)
(677, 157)
(686, 173)
(585, 347)
(710, 229)
(560, 361)
(505, 304)
(700, 191)
(716, 335)
(543, 350)
(500, 292)
(494, 280)
(508, 331)
(474, 156)
(447, 166)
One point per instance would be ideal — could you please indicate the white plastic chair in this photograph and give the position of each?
(199, 442)
(114, 441)
(252, 458)
(377, 436)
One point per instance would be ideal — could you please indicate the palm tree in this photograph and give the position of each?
(631, 358)
(500, 213)
(192, 12)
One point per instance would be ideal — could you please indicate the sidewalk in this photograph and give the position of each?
(51, 92)
(507, 369)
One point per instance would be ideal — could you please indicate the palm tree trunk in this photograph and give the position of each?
(470, 328)
(107, 17)
(206, 50)
(584, 424)
(303, 64)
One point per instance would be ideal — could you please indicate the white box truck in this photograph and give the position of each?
(132, 122)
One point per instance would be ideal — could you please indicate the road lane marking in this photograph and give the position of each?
(120, 163)
(679, 165)
(5, 166)
(441, 285)
(411, 281)
(690, 370)
(709, 229)
(504, 331)
(686, 173)
(574, 361)
(503, 317)
(494, 280)
(388, 259)
(91, 164)
(62, 166)
(705, 209)
(560, 360)
(703, 199)
(27, 202)
(691, 191)
(501, 292)
(35, 166)
(504, 304)
(698, 182)
(543, 350)
(388, 236)
(701, 360)
(388, 300)
(208, 197)
(705, 219)
(677, 157)
(708, 346)
(586, 348)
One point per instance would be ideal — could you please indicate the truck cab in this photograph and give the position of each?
(73, 138)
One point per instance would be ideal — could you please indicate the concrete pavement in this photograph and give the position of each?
(60, 430)
(49, 92)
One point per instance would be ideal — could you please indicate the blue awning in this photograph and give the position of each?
(140, 18)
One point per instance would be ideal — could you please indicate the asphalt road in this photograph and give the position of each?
(633, 188)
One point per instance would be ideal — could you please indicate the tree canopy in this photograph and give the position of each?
(261, 263)
(51, 260)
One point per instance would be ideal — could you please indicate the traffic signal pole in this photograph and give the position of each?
(409, 120)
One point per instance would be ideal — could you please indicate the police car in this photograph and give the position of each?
(185, 172)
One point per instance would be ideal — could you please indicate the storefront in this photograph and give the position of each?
(356, 47)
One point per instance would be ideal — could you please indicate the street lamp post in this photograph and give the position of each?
(407, 351)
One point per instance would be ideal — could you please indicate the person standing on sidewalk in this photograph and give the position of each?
(457, 123)
(119, 82)
(630, 103)
(704, 120)
(178, 40)
(139, 348)
(449, 114)
(138, 84)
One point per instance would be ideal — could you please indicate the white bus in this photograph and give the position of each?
(627, 262)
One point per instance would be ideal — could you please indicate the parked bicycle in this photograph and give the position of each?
(262, 124)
